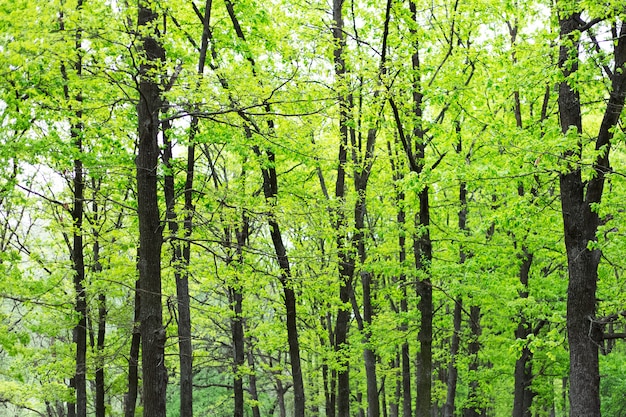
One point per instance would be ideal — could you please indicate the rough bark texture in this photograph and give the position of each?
(150, 228)
(580, 221)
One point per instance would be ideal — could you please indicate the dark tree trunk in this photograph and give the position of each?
(450, 405)
(346, 268)
(130, 399)
(422, 245)
(474, 406)
(523, 395)
(405, 358)
(100, 405)
(237, 328)
(453, 373)
(79, 381)
(181, 277)
(404, 383)
(270, 191)
(256, 412)
(150, 228)
(237, 332)
(580, 220)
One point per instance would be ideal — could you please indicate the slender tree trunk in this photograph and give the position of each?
(236, 298)
(100, 405)
(474, 403)
(130, 399)
(270, 191)
(404, 355)
(346, 268)
(453, 373)
(256, 412)
(185, 352)
(150, 228)
(422, 245)
(237, 328)
(523, 394)
(450, 405)
(79, 381)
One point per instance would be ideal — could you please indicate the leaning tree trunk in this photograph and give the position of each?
(150, 228)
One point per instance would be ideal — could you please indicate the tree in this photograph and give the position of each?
(152, 56)
(580, 199)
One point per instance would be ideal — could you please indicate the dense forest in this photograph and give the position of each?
(336, 208)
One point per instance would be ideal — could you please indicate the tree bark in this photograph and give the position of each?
(79, 337)
(474, 406)
(256, 412)
(150, 228)
(346, 267)
(181, 277)
(580, 220)
(100, 406)
(130, 399)
(237, 328)
(270, 191)
(523, 394)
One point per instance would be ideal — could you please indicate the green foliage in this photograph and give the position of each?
(274, 89)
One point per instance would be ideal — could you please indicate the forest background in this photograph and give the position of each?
(336, 208)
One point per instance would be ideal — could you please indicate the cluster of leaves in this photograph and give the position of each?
(487, 73)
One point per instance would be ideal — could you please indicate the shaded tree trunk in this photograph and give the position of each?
(523, 394)
(100, 405)
(580, 219)
(474, 406)
(256, 412)
(130, 399)
(453, 373)
(346, 267)
(450, 405)
(79, 336)
(181, 278)
(150, 228)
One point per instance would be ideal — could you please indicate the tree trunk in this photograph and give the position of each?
(270, 191)
(185, 352)
(523, 395)
(150, 228)
(404, 356)
(100, 406)
(130, 399)
(580, 220)
(256, 412)
(237, 329)
(450, 405)
(474, 403)
(79, 337)
(346, 269)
